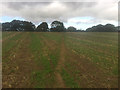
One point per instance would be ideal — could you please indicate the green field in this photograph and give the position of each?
(63, 59)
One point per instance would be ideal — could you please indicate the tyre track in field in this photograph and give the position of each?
(21, 66)
(90, 75)
(7, 66)
(11, 51)
(60, 81)
(10, 36)
(52, 46)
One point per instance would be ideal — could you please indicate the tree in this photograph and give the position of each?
(43, 27)
(57, 26)
(6, 26)
(118, 28)
(28, 26)
(79, 30)
(0, 26)
(71, 29)
(17, 25)
(110, 27)
(102, 28)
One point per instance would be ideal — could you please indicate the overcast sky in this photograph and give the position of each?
(78, 14)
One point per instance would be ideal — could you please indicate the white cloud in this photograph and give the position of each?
(101, 11)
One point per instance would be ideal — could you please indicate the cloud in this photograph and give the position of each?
(37, 12)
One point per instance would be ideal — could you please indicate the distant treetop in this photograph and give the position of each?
(56, 26)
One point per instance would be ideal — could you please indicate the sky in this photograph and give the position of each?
(79, 14)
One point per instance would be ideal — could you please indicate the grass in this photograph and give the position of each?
(95, 48)
(10, 43)
(7, 34)
(37, 46)
(53, 36)
(69, 80)
(98, 48)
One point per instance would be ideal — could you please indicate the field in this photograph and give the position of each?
(54, 60)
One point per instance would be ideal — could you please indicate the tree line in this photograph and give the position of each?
(56, 26)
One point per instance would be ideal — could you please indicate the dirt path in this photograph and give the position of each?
(20, 67)
(91, 76)
(59, 79)
(10, 36)
(51, 44)
(17, 71)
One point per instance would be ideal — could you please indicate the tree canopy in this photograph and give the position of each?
(57, 26)
(71, 29)
(17, 25)
(102, 28)
(43, 27)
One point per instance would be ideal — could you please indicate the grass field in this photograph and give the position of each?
(53, 60)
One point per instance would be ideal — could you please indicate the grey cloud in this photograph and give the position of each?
(49, 11)
(21, 5)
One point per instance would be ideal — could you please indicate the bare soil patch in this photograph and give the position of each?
(60, 83)
(17, 73)
(90, 75)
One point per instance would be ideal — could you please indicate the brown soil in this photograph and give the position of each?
(51, 44)
(60, 82)
(10, 36)
(18, 70)
(91, 76)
